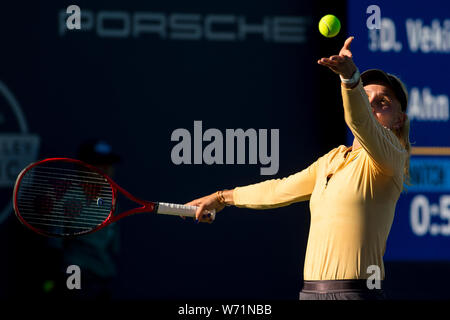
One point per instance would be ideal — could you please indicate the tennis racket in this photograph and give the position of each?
(62, 197)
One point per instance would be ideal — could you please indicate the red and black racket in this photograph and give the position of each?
(62, 197)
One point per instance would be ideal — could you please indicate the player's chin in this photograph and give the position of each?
(383, 121)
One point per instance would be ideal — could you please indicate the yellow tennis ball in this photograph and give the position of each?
(329, 26)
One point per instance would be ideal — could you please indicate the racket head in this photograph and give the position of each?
(63, 197)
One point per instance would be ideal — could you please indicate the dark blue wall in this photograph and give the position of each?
(134, 92)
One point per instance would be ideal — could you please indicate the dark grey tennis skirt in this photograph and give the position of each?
(340, 290)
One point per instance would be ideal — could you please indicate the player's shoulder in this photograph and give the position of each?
(335, 152)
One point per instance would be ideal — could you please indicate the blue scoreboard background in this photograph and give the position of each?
(412, 41)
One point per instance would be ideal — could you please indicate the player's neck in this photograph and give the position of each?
(356, 144)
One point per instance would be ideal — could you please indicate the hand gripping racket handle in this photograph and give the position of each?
(182, 210)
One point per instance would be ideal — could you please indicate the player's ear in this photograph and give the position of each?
(403, 118)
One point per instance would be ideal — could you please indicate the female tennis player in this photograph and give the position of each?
(352, 190)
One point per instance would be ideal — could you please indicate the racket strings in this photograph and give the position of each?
(86, 211)
(43, 187)
(63, 200)
(42, 218)
(77, 178)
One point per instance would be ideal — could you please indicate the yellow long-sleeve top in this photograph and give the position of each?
(352, 194)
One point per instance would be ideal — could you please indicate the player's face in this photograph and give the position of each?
(385, 105)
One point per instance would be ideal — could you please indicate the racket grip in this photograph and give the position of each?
(182, 210)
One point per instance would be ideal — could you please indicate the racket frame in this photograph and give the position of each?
(146, 206)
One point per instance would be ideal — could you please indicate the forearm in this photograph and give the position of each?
(357, 109)
(277, 192)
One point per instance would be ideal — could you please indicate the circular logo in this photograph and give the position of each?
(18, 147)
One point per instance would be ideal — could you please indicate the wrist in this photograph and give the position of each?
(225, 197)
(350, 86)
(348, 75)
(352, 80)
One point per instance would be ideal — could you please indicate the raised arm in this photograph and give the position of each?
(381, 144)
